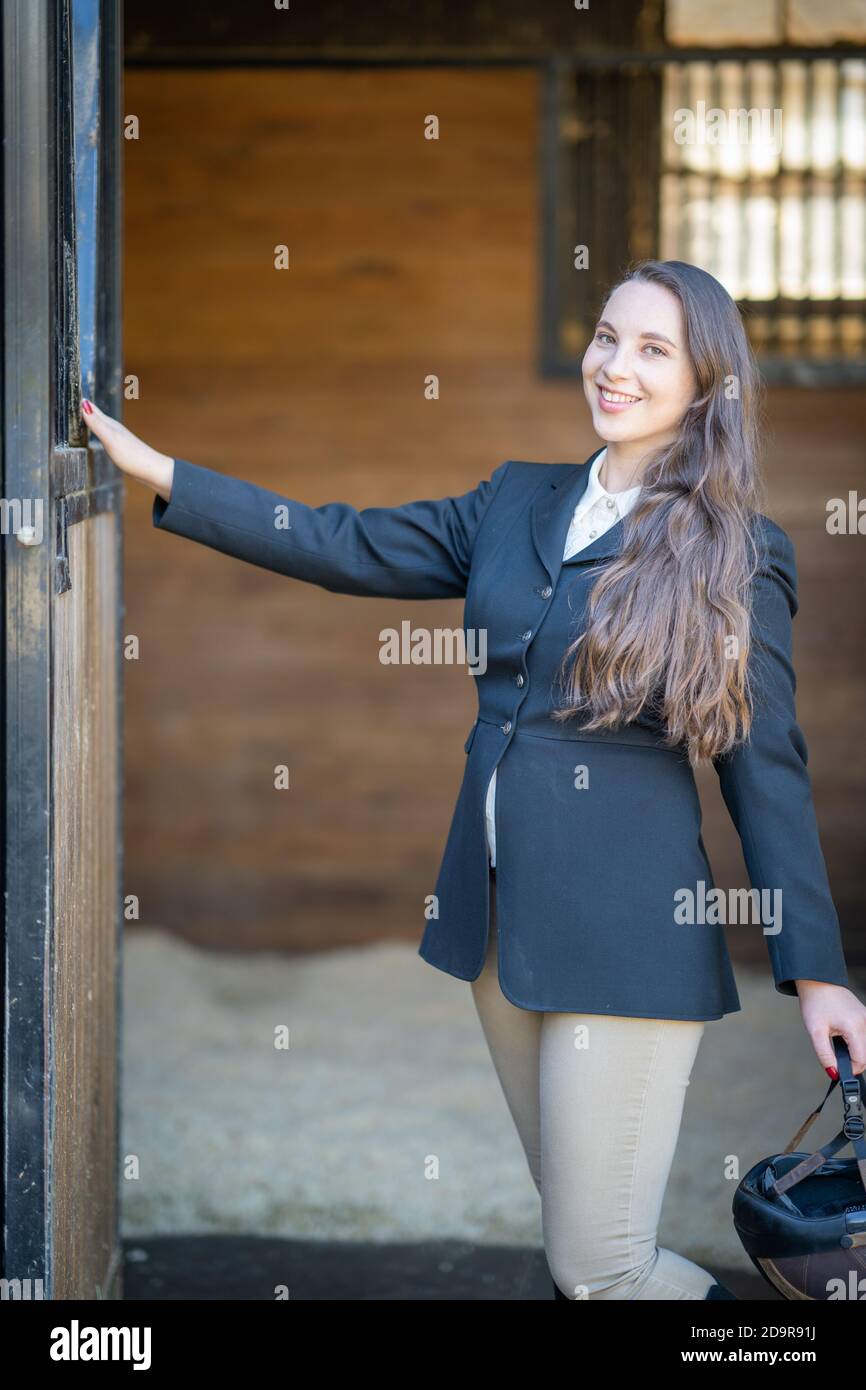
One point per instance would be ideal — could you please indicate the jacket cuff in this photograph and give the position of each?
(824, 975)
(186, 496)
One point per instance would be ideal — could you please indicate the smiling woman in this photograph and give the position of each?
(667, 621)
(637, 610)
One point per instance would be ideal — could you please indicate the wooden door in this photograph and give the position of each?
(62, 650)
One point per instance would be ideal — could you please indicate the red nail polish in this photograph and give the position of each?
(87, 407)
(832, 1073)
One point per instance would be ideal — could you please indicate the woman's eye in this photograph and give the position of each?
(654, 346)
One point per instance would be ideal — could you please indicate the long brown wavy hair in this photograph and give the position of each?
(668, 621)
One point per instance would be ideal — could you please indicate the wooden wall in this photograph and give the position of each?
(407, 257)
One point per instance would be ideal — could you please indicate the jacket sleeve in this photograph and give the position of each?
(418, 550)
(767, 791)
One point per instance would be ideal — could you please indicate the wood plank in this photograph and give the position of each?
(84, 1013)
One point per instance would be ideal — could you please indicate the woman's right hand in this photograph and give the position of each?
(128, 452)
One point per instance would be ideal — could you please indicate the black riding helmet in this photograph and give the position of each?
(802, 1217)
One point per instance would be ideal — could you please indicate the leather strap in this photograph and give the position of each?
(852, 1131)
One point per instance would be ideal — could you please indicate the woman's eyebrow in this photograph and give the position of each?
(603, 323)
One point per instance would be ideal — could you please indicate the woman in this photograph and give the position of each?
(637, 611)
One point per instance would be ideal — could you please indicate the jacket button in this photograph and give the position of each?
(546, 591)
(592, 534)
(525, 636)
(518, 679)
(506, 727)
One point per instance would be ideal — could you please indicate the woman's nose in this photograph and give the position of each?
(619, 366)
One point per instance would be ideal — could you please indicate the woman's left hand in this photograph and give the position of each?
(832, 1010)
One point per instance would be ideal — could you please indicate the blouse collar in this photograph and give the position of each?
(595, 490)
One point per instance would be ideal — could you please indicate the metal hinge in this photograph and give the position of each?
(62, 577)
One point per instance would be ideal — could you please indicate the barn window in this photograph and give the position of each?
(754, 168)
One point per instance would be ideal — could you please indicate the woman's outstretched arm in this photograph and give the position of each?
(418, 550)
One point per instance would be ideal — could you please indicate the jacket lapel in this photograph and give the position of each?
(550, 518)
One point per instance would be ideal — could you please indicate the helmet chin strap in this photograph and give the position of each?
(852, 1131)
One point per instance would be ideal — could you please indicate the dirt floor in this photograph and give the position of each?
(375, 1151)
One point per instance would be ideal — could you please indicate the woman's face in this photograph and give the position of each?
(639, 351)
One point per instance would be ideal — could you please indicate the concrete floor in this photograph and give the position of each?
(260, 1268)
(374, 1156)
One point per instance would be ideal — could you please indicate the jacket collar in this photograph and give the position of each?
(550, 518)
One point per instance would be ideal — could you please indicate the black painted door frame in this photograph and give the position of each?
(62, 70)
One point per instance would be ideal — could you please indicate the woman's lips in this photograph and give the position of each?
(615, 407)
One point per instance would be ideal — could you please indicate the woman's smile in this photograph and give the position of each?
(615, 400)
